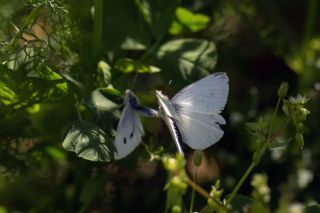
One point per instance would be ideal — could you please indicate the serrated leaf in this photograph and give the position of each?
(187, 21)
(191, 58)
(88, 141)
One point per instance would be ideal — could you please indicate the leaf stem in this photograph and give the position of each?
(76, 106)
(193, 191)
(205, 194)
(243, 178)
(97, 29)
(272, 120)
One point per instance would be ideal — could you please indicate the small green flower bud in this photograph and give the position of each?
(197, 157)
(170, 163)
(299, 140)
(300, 128)
(176, 209)
(211, 203)
(218, 193)
(304, 112)
(285, 110)
(283, 89)
(217, 184)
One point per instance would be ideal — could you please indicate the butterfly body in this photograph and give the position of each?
(130, 130)
(194, 111)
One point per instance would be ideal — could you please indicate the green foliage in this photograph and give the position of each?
(176, 186)
(186, 21)
(193, 58)
(64, 68)
(88, 141)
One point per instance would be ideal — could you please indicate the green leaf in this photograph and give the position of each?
(88, 141)
(104, 73)
(312, 209)
(239, 202)
(158, 14)
(98, 101)
(187, 21)
(92, 190)
(7, 85)
(277, 144)
(42, 71)
(123, 26)
(192, 58)
(127, 65)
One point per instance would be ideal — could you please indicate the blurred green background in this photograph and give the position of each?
(55, 53)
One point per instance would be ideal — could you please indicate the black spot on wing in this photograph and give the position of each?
(124, 140)
(131, 134)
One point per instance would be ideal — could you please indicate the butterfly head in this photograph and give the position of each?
(131, 98)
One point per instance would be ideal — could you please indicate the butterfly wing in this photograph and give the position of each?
(129, 130)
(197, 108)
(167, 112)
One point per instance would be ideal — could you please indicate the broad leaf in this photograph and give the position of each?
(187, 21)
(241, 203)
(191, 58)
(98, 101)
(312, 209)
(123, 26)
(88, 141)
(158, 14)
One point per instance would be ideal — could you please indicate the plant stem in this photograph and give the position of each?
(76, 106)
(272, 120)
(243, 178)
(193, 191)
(97, 29)
(205, 194)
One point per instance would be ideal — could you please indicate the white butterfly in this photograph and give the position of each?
(192, 115)
(130, 130)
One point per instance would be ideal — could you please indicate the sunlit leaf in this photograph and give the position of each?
(104, 72)
(88, 141)
(99, 101)
(44, 72)
(187, 21)
(128, 65)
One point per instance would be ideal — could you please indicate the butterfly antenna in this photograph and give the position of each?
(134, 81)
